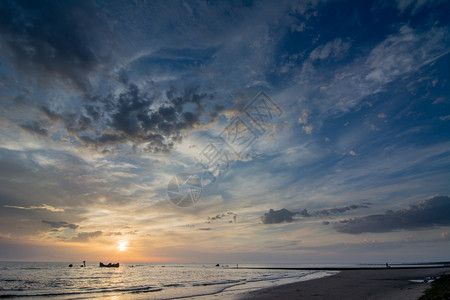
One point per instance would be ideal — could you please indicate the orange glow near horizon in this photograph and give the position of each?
(91, 252)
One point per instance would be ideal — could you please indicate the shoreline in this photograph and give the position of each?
(345, 268)
(367, 283)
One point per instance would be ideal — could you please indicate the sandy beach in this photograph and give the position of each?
(355, 284)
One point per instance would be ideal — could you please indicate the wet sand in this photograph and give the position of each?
(355, 284)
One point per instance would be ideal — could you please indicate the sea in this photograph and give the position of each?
(40, 280)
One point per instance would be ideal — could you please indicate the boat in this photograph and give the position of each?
(110, 265)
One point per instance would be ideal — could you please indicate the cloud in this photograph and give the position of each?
(336, 49)
(152, 122)
(277, 216)
(444, 118)
(115, 233)
(85, 236)
(226, 216)
(36, 128)
(415, 5)
(308, 129)
(339, 210)
(54, 39)
(331, 211)
(374, 128)
(303, 119)
(429, 213)
(61, 224)
(399, 54)
(284, 215)
(43, 206)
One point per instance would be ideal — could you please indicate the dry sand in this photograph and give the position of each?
(355, 284)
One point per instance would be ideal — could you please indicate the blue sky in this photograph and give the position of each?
(102, 104)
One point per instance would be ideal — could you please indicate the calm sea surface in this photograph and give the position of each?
(139, 281)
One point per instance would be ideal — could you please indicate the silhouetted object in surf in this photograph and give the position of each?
(217, 265)
(388, 266)
(70, 266)
(110, 265)
(84, 264)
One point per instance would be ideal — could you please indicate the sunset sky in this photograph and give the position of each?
(103, 103)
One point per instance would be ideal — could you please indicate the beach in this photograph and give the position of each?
(355, 284)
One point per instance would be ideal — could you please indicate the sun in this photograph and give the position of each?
(122, 245)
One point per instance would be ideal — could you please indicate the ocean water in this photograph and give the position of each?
(140, 281)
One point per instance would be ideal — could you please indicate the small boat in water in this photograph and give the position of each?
(110, 265)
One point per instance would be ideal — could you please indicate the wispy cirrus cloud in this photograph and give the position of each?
(400, 54)
(334, 49)
(40, 207)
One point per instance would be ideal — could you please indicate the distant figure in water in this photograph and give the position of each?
(217, 265)
(84, 264)
(387, 265)
(70, 266)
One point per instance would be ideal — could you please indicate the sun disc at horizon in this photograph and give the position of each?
(122, 245)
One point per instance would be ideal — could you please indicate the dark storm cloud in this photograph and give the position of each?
(277, 216)
(53, 38)
(154, 120)
(60, 224)
(429, 213)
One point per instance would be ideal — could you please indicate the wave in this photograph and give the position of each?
(173, 285)
(268, 277)
(11, 280)
(132, 290)
(216, 282)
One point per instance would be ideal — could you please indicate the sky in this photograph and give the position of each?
(225, 131)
